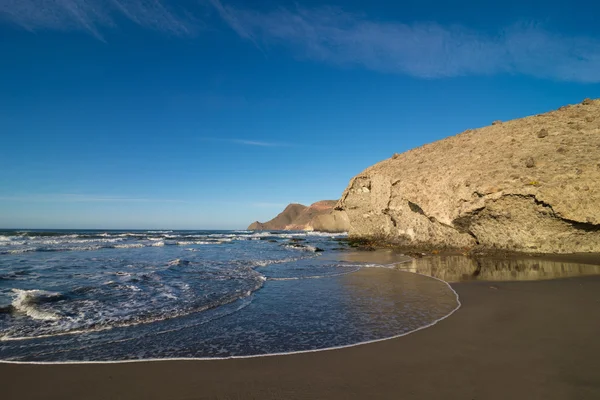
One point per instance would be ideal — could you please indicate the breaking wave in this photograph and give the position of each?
(29, 301)
(19, 242)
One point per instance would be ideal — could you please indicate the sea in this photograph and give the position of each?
(113, 295)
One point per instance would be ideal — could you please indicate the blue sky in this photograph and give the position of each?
(216, 113)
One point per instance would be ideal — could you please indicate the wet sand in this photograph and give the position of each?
(510, 340)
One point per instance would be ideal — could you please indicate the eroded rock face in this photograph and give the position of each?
(530, 185)
(283, 219)
(319, 216)
(334, 221)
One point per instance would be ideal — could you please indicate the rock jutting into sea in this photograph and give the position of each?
(320, 216)
(528, 185)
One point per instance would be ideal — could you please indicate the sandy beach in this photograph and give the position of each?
(518, 340)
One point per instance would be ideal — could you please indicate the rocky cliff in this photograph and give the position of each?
(319, 216)
(529, 185)
(282, 220)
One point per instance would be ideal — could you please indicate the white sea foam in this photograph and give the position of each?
(129, 246)
(389, 266)
(26, 300)
(433, 323)
(297, 278)
(14, 243)
(199, 242)
(302, 247)
(264, 263)
(19, 251)
(70, 326)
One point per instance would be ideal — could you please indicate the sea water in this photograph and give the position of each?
(122, 295)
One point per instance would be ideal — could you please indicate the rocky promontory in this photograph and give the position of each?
(528, 185)
(319, 216)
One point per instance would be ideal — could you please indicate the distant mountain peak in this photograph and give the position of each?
(297, 216)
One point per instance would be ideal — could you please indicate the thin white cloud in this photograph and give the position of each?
(257, 143)
(246, 142)
(336, 37)
(424, 50)
(230, 16)
(79, 198)
(94, 15)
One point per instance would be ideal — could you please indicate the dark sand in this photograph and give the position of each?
(510, 340)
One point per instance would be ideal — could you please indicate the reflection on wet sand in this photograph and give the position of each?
(456, 268)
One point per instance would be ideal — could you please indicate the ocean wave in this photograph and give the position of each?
(253, 236)
(26, 301)
(120, 285)
(19, 251)
(36, 234)
(204, 242)
(6, 309)
(22, 275)
(128, 246)
(178, 261)
(13, 243)
(303, 247)
(264, 263)
(76, 241)
(59, 246)
(69, 325)
(124, 241)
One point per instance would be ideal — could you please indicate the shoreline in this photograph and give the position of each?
(287, 353)
(529, 339)
(505, 339)
(283, 354)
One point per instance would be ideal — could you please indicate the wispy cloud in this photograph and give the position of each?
(246, 142)
(79, 198)
(230, 15)
(93, 15)
(257, 143)
(424, 50)
(336, 37)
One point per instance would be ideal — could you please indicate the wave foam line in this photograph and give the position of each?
(162, 332)
(459, 304)
(298, 278)
(26, 300)
(48, 316)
